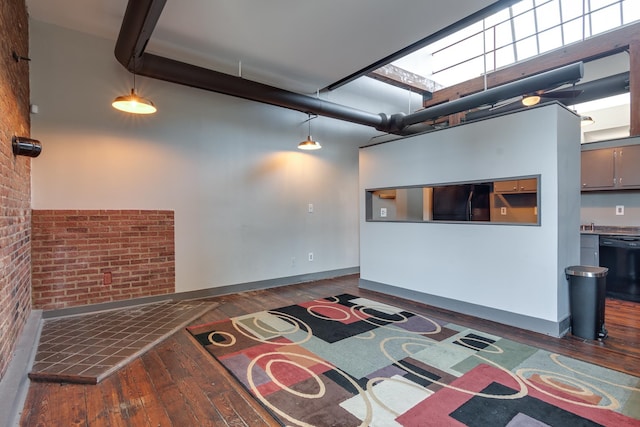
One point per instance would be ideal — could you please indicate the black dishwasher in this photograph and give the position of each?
(621, 255)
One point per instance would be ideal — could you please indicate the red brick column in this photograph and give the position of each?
(15, 180)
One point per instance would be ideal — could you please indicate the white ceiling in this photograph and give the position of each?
(297, 45)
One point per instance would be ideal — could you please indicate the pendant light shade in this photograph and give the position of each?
(134, 104)
(586, 120)
(309, 143)
(530, 100)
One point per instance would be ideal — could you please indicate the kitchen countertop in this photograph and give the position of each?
(610, 230)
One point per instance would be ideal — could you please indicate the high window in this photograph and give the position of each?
(519, 32)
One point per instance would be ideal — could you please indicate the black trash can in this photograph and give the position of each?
(587, 290)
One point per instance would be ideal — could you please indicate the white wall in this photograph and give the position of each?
(509, 268)
(228, 167)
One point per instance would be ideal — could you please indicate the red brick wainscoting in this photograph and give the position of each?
(88, 257)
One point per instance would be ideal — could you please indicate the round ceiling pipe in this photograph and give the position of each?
(173, 71)
(590, 91)
(549, 79)
(141, 17)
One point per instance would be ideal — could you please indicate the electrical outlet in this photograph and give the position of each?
(383, 212)
(620, 210)
(310, 208)
(310, 256)
(503, 210)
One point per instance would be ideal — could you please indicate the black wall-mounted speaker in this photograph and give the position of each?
(23, 146)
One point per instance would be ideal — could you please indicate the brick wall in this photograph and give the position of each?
(84, 257)
(15, 173)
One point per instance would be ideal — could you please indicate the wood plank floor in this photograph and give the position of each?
(178, 384)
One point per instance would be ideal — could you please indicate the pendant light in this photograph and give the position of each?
(309, 143)
(530, 100)
(586, 120)
(133, 103)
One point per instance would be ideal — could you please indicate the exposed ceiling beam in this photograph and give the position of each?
(140, 16)
(404, 79)
(483, 13)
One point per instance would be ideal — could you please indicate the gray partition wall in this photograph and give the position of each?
(509, 273)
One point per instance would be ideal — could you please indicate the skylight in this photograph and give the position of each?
(521, 31)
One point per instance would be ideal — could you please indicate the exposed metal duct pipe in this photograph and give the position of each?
(138, 23)
(554, 78)
(142, 16)
(601, 88)
(190, 75)
(591, 91)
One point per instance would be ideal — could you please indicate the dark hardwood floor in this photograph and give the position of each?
(178, 384)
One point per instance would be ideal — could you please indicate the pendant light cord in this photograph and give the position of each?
(134, 72)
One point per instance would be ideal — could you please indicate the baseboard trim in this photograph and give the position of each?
(201, 293)
(15, 383)
(555, 329)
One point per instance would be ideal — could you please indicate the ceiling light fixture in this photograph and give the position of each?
(133, 103)
(586, 120)
(530, 100)
(309, 143)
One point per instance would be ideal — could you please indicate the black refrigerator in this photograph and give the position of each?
(463, 202)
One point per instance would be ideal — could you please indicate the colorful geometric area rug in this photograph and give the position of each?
(351, 361)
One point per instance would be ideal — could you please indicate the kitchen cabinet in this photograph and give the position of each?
(597, 169)
(628, 172)
(515, 200)
(529, 185)
(612, 168)
(590, 249)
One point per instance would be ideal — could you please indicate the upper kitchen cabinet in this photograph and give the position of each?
(529, 185)
(627, 170)
(597, 169)
(610, 168)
